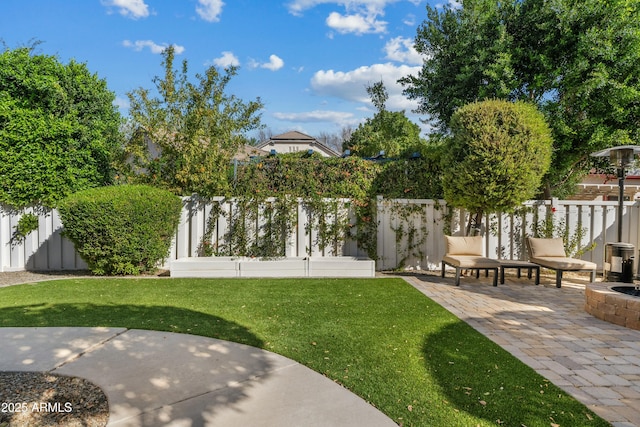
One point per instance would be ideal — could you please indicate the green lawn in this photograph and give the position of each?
(380, 338)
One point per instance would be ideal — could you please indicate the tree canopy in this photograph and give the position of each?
(185, 136)
(59, 129)
(578, 60)
(388, 131)
(497, 154)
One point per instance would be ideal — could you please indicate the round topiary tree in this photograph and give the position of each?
(496, 157)
(126, 229)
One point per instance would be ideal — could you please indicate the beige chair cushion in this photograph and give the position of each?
(464, 245)
(564, 263)
(470, 261)
(540, 248)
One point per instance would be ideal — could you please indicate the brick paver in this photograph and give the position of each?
(548, 329)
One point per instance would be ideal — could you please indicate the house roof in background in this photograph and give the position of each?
(596, 186)
(295, 137)
(248, 151)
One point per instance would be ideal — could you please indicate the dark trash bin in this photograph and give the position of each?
(618, 262)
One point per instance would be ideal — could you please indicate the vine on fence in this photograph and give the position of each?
(206, 247)
(548, 226)
(262, 228)
(329, 218)
(319, 183)
(27, 223)
(406, 231)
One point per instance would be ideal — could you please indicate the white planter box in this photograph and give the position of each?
(341, 267)
(290, 267)
(287, 267)
(205, 267)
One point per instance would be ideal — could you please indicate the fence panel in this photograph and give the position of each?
(410, 232)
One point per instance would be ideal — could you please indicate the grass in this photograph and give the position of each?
(380, 338)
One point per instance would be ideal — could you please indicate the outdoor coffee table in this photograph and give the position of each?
(514, 263)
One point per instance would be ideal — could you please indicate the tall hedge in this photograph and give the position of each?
(351, 177)
(125, 229)
(59, 129)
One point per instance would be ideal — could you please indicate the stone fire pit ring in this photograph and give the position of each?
(614, 307)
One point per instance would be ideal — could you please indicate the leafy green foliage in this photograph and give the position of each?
(27, 223)
(124, 229)
(419, 178)
(298, 176)
(467, 57)
(496, 157)
(184, 139)
(388, 131)
(318, 181)
(579, 61)
(351, 177)
(59, 129)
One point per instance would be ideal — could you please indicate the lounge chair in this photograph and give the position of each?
(465, 253)
(550, 253)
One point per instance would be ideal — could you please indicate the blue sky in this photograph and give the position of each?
(309, 61)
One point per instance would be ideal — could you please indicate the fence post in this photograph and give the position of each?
(381, 219)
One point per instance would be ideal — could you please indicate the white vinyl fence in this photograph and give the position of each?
(409, 234)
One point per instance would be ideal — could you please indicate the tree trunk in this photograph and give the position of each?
(474, 225)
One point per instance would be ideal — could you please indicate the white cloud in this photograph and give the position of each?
(453, 4)
(210, 10)
(130, 8)
(357, 23)
(228, 59)
(317, 116)
(122, 103)
(361, 15)
(138, 45)
(351, 85)
(401, 49)
(274, 64)
(410, 20)
(296, 7)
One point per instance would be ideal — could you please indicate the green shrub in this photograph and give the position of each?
(496, 157)
(124, 229)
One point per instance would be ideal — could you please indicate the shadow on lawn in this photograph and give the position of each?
(166, 368)
(157, 318)
(480, 378)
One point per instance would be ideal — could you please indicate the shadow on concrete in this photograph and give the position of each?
(150, 376)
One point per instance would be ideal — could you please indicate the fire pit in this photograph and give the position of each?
(614, 303)
(634, 291)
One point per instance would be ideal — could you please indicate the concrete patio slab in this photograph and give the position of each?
(44, 349)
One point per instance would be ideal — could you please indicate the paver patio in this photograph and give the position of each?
(547, 328)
